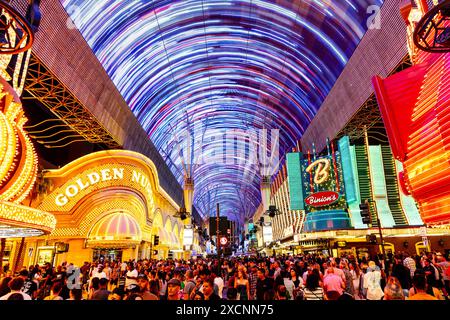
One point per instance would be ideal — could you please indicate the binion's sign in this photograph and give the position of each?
(323, 198)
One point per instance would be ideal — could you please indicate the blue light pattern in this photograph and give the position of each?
(224, 64)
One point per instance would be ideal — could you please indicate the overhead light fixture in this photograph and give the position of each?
(182, 214)
(432, 33)
(273, 211)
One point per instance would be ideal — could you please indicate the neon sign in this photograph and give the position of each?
(94, 178)
(321, 199)
(322, 171)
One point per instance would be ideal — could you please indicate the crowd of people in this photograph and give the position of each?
(299, 277)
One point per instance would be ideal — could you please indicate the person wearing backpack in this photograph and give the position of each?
(189, 284)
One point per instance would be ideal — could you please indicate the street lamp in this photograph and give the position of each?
(182, 214)
(273, 211)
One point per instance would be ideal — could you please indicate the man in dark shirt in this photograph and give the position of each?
(102, 293)
(46, 282)
(263, 284)
(29, 286)
(431, 273)
(85, 272)
(402, 273)
(208, 290)
(48, 273)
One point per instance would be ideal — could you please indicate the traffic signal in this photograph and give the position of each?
(365, 213)
(183, 213)
(170, 256)
(261, 221)
(272, 211)
(156, 240)
(371, 238)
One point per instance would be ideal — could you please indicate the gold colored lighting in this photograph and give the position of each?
(18, 160)
(21, 216)
(129, 160)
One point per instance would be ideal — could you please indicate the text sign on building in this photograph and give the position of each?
(87, 182)
(323, 182)
(295, 181)
(341, 244)
(289, 231)
(267, 233)
(188, 236)
(323, 188)
(321, 199)
(320, 169)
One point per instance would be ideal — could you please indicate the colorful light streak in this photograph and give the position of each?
(243, 64)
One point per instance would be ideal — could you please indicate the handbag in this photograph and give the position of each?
(298, 293)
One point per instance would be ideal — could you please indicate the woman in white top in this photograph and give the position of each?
(220, 284)
(372, 282)
(356, 276)
(289, 284)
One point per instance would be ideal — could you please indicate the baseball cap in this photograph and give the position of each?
(133, 287)
(174, 282)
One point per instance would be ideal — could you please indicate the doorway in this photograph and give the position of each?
(103, 255)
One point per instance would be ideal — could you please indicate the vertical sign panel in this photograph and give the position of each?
(346, 160)
(295, 181)
(379, 187)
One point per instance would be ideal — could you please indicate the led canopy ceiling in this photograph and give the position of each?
(217, 69)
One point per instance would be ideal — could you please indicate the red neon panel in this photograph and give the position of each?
(396, 97)
(415, 106)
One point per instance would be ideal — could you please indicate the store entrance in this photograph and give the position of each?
(107, 255)
(7, 257)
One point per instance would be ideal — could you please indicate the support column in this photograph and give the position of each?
(19, 257)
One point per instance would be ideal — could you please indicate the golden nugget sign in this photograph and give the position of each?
(95, 178)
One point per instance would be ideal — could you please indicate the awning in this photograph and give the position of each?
(115, 230)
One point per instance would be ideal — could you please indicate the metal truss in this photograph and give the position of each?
(43, 86)
(369, 115)
(405, 63)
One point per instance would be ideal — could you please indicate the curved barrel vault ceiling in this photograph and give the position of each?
(225, 65)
